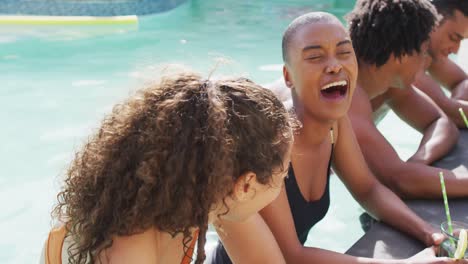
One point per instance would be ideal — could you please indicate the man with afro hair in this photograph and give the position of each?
(442, 71)
(391, 40)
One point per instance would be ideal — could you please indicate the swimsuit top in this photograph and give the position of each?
(305, 214)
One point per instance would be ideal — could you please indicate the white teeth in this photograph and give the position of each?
(339, 83)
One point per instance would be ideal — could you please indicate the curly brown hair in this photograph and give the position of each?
(178, 143)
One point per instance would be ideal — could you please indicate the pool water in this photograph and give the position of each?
(57, 84)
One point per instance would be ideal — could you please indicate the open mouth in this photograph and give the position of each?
(335, 90)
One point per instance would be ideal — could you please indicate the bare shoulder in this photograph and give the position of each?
(361, 106)
(361, 116)
(440, 65)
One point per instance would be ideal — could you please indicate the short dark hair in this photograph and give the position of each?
(380, 28)
(298, 23)
(447, 8)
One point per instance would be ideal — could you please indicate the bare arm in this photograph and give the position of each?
(419, 111)
(454, 78)
(447, 73)
(370, 193)
(408, 179)
(250, 241)
(278, 217)
(449, 105)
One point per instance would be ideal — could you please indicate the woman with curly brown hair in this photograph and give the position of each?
(180, 154)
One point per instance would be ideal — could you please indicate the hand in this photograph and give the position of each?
(428, 256)
(436, 239)
(432, 237)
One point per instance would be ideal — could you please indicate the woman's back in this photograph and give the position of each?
(151, 246)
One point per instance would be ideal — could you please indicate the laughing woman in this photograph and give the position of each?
(321, 71)
(180, 154)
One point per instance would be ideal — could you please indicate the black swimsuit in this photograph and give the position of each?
(305, 214)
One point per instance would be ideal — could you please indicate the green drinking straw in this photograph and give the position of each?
(463, 116)
(447, 210)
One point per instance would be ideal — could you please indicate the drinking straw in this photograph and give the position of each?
(447, 210)
(463, 116)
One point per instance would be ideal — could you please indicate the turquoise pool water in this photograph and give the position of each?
(57, 83)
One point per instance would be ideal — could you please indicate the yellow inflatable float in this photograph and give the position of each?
(67, 20)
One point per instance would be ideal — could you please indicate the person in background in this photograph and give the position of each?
(391, 40)
(442, 71)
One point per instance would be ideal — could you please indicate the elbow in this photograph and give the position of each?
(452, 131)
(452, 121)
(294, 255)
(450, 125)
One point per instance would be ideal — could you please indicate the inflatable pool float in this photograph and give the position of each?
(22, 20)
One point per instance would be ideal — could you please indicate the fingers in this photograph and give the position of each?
(461, 261)
(437, 238)
(453, 261)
